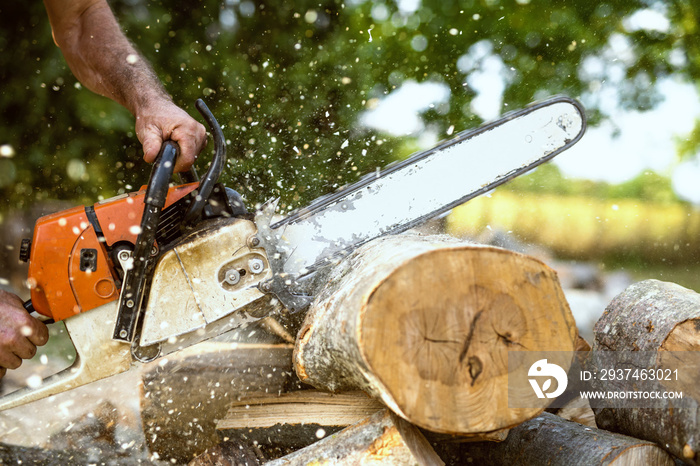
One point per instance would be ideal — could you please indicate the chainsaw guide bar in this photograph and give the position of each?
(417, 189)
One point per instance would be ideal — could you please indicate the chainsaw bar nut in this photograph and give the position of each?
(256, 265)
(232, 276)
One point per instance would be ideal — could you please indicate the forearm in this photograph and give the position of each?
(104, 60)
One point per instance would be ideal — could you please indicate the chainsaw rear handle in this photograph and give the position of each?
(156, 194)
(155, 198)
(211, 177)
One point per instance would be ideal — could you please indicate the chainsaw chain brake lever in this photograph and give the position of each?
(211, 177)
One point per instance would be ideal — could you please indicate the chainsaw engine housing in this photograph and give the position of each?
(211, 273)
(72, 261)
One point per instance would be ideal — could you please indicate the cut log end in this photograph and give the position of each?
(429, 332)
(447, 321)
(683, 337)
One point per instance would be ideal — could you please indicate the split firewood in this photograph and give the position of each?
(661, 319)
(294, 420)
(425, 324)
(185, 394)
(552, 441)
(383, 438)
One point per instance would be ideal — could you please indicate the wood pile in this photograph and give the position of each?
(403, 359)
(663, 320)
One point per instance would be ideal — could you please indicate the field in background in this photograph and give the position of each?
(648, 239)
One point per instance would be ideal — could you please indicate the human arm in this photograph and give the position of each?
(20, 333)
(102, 58)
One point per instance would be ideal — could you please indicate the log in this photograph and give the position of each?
(425, 324)
(654, 316)
(383, 438)
(93, 433)
(552, 441)
(36, 456)
(185, 394)
(293, 420)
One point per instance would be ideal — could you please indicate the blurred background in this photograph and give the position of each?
(314, 94)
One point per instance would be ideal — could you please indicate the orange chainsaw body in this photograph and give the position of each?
(70, 269)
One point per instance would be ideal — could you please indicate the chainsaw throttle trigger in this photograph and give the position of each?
(135, 278)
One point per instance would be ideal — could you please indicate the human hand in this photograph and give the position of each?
(163, 120)
(20, 333)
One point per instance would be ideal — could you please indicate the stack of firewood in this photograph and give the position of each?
(403, 359)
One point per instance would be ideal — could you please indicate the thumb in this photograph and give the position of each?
(151, 146)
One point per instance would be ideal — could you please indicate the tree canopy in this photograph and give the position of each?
(290, 80)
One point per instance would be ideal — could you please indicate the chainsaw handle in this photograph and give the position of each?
(211, 177)
(135, 278)
(162, 172)
(28, 306)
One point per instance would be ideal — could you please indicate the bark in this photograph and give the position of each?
(185, 394)
(655, 317)
(383, 438)
(552, 441)
(425, 324)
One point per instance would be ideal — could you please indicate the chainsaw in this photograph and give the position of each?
(147, 273)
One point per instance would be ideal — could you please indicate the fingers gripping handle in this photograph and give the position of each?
(162, 172)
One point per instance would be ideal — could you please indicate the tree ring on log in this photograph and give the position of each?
(447, 320)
